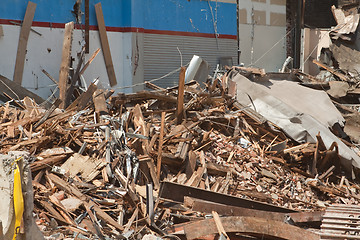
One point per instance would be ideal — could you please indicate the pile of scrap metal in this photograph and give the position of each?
(255, 157)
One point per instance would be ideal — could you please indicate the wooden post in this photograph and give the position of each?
(23, 39)
(180, 98)
(87, 17)
(105, 45)
(65, 61)
(100, 102)
(161, 141)
(314, 163)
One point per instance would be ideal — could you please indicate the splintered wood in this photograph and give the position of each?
(92, 164)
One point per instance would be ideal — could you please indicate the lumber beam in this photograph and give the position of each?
(65, 62)
(105, 45)
(23, 39)
(87, 28)
(176, 192)
(161, 141)
(180, 98)
(343, 77)
(16, 91)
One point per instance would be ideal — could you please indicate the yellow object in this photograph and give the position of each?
(18, 199)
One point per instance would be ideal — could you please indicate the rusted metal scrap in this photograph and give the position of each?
(258, 227)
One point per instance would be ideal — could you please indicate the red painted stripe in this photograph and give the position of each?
(123, 29)
(189, 34)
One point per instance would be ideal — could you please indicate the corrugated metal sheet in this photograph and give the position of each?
(161, 55)
(341, 221)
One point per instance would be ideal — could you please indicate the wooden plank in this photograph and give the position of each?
(86, 166)
(176, 192)
(84, 98)
(336, 73)
(23, 39)
(89, 61)
(100, 102)
(74, 78)
(49, 76)
(131, 220)
(315, 160)
(151, 167)
(180, 98)
(219, 225)
(161, 141)
(65, 62)
(16, 91)
(330, 170)
(105, 45)
(93, 220)
(44, 163)
(48, 206)
(87, 17)
(190, 164)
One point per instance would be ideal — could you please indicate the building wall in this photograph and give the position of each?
(187, 28)
(262, 30)
(161, 54)
(314, 40)
(206, 28)
(44, 52)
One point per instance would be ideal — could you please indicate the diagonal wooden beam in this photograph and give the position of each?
(23, 39)
(105, 45)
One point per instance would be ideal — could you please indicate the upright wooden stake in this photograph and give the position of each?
(87, 17)
(65, 62)
(161, 141)
(180, 98)
(23, 39)
(105, 45)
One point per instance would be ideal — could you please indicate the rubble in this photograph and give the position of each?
(242, 155)
(136, 166)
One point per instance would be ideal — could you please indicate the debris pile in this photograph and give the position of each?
(158, 162)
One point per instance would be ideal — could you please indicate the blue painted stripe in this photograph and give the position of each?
(170, 15)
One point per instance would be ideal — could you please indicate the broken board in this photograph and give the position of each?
(88, 167)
